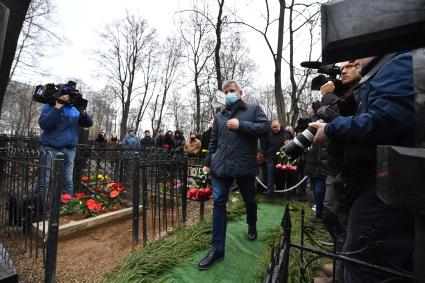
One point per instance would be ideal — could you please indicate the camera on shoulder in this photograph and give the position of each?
(50, 93)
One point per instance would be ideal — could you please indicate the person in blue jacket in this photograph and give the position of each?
(385, 115)
(59, 124)
(131, 144)
(232, 155)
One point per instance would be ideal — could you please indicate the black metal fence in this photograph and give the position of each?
(280, 256)
(157, 182)
(29, 180)
(162, 187)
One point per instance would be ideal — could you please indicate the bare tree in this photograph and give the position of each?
(20, 111)
(277, 55)
(171, 59)
(149, 71)
(36, 35)
(127, 42)
(236, 63)
(299, 78)
(196, 35)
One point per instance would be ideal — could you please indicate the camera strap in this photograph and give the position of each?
(369, 75)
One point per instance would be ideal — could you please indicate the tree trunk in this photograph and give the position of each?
(124, 120)
(198, 104)
(218, 46)
(280, 101)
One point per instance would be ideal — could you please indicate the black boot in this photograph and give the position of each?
(210, 259)
(252, 232)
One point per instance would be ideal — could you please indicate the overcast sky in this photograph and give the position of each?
(79, 21)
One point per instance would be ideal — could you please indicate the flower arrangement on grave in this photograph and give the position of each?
(284, 162)
(98, 195)
(200, 189)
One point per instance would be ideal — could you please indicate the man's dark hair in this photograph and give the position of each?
(147, 131)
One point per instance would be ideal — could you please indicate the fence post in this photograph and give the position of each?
(202, 210)
(287, 227)
(302, 267)
(53, 230)
(145, 203)
(136, 199)
(183, 190)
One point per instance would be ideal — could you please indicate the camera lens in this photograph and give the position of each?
(300, 143)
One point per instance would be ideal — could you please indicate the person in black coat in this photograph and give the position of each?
(232, 155)
(159, 141)
(206, 136)
(179, 141)
(168, 142)
(271, 145)
(314, 167)
(147, 140)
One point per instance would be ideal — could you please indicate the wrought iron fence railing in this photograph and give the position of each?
(280, 256)
(28, 179)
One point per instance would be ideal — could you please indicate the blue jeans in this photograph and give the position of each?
(271, 163)
(319, 190)
(47, 155)
(220, 188)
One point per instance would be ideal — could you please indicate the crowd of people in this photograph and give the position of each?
(378, 108)
(374, 106)
(170, 140)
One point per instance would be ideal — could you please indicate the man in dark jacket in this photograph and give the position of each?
(385, 115)
(159, 141)
(232, 155)
(147, 140)
(314, 167)
(206, 136)
(271, 145)
(59, 124)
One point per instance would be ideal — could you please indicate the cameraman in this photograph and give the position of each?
(385, 115)
(59, 123)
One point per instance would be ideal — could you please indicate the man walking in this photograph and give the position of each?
(232, 155)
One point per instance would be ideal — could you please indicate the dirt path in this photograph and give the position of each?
(89, 256)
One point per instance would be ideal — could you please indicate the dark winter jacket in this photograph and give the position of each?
(159, 141)
(232, 153)
(60, 126)
(147, 142)
(179, 141)
(272, 143)
(206, 137)
(315, 161)
(385, 115)
(168, 141)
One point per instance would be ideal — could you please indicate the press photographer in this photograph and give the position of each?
(336, 101)
(63, 111)
(385, 115)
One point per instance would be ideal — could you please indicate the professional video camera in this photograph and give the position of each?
(332, 73)
(50, 93)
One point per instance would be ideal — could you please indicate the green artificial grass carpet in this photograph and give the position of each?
(242, 257)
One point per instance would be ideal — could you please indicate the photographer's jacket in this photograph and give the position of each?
(232, 153)
(60, 126)
(385, 113)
